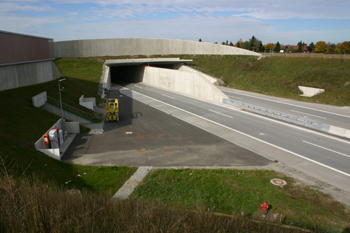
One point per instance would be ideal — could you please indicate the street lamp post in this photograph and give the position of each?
(60, 90)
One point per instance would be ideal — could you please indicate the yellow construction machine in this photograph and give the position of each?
(112, 110)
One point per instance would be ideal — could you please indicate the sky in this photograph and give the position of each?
(285, 21)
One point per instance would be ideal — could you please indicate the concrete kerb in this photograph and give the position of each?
(124, 192)
(342, 196)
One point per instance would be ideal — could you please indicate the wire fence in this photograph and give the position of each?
(94, 118)
(310, 55)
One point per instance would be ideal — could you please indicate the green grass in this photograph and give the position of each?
(281, 76)
(223, 191)
(22, 124)
(236, 191)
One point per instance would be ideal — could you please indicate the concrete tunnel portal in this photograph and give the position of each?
(132, 71)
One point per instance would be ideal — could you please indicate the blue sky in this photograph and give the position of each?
(286, 21)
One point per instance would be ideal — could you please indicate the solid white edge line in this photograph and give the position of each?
(327, 149)
(168, 96)
(256, 115)
(286, 103)
(257, 139)
(308, 114)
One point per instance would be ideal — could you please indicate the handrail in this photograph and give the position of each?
(95, 118)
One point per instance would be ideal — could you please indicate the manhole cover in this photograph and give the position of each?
(278, 182)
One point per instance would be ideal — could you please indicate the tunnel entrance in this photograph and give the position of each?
(127, 74)
(132, 71)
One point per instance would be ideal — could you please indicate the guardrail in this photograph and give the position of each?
(94, 118)
(279, 115)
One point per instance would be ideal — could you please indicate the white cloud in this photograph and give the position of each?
(267, 9)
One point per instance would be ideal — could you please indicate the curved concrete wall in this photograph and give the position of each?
(142, 46)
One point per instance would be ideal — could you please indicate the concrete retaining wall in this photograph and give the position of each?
(188, 83)
(208, 77)
(39, 100)
(89, 103)
(19, 75)
(142, 46)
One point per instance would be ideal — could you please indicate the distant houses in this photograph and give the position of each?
(292, 48)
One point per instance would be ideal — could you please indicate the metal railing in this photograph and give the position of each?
(94, 118)
(279, 115)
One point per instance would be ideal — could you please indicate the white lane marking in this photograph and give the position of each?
(168, 96)
(257, 139)
(327, 149)
(308, 114)
(232, 96)
(286, 103)
(220, 113)
(254, 115)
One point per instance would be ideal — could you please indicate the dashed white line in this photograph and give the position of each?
(327, 149)
(257, 139)
(220, 113)
(168, 96)
(308, 114)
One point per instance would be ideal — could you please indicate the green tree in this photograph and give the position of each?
(345, 47)
(331, 47)
(311, 47)
(246, 45)
(231, 44)
(300, 47)
(226, 42)
(254, 43)
(320, 47)
(200, 40)
(277, 47)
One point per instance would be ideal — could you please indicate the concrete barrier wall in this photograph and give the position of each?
(208, 77)
(39, 100)
(142, 46)
(87, 102)
(188, 83)
(14, 76)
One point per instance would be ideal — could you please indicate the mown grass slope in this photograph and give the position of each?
(281, 76)
(235, 191)
(22, 124)
(222, 191)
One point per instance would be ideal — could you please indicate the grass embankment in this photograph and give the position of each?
(22, 124)
(281, 76)
(43, 205)
(28, 205)
(236, 191)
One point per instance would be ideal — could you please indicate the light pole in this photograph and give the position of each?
(60, 90)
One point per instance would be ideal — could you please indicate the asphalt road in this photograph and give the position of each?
(145, 136)
(317, 154)
(331, 115)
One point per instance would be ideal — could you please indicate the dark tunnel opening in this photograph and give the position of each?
(134, 73)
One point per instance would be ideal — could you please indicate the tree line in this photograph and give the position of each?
(256, 45)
